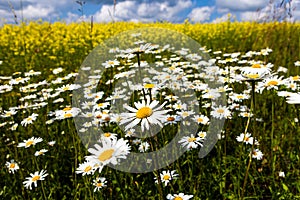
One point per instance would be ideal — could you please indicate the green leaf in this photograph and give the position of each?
(285, 187)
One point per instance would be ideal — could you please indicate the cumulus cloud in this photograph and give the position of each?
(201, 14)
(146, 11)
(241, 5)
(33, 9)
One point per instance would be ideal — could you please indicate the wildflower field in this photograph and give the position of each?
(80, 101)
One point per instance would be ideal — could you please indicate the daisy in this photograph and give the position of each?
(281, 174)
(172, 119)
(201, 119)
(57, 70)
(110, 63)
(109, 152)
(67, 112)
(99, 182)
(220, 112)
(12, 166)
(144, 146)
(34, 178)
(256, 71)
(29, 120)
(245, 138)
(239, 97)
(108, 136)
(145, 112)
(51, 143)
(167, 176)
(32, 141)
(8, 113)
(40, 152)
(270, 83)
(68, 87)
(180, 196)
(86, 168)
(130, 133)
(18, 80)
(202, 134)
(190, 142)
(101, 105)
(293, 98)
(257, 154)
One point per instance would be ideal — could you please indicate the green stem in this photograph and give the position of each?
(252, 108)
(272, 142)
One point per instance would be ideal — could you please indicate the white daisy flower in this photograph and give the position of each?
(245, 138)
(40, 152)
(167, 176)
(12, 166)
(32, 141)
(34, 178)
(145, 112)
(110, 63)
(293, 98)
(180, 196)
(110, 151)
(29, 120)
(281, 174)
(257, 154)
(220, 112)
(86, 168)
(256, 71)
(201, 119)
(144, 146)
(190, 142)
(99, 183)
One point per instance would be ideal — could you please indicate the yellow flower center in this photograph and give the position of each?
(178, 198)
(18, 79)
(66, 88)
(272, 83)
(256, 66)
(29, 119)
(100, 104)
(87, 169)
(144, 112)
(221, 111)
(107, 134)
(99, 184)
(35, 178)
(67, 109)
(111, 62)
(252, 76)
(68, 115)
(105, 155)
(29, 143)
(12, 165)
(200, 120)
(170, 119)
(239, 96)
(192, 139)
(148, 86)
(295, 78)
(166, 177)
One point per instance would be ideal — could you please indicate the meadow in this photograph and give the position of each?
(45, 154)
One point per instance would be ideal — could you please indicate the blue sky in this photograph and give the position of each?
(140, 10)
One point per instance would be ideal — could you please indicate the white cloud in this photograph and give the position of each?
(223, 18)
(242, 5)
(201, 14)
(39, 11)
(146, 11)
(250, 16)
